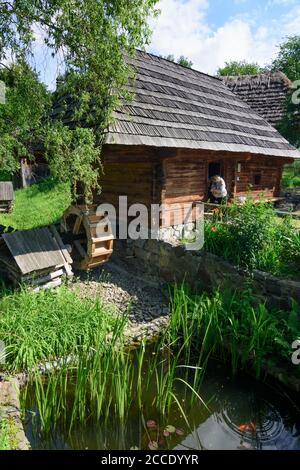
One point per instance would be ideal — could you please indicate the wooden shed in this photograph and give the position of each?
(181, 128)
(6, 196)
(36, 257)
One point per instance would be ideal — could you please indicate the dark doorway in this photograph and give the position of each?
(214, 168)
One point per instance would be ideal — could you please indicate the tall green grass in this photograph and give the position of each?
(41, 327)
(79, 365)
(231, 326)
(107, 383)
(90, 373)
(38, 205)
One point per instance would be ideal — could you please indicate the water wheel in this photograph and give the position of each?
(89, 235)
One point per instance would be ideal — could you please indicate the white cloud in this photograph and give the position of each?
(179, 26)
(182, 29)
(292, 21)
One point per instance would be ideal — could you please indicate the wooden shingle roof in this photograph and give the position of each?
(34, 250)
(174, 106)
(265, 93)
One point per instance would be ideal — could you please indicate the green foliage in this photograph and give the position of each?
(288, 62)
(182, 60)
(38, 327)
(289, 126)
(8, 434)
(185, 62)
(291, 175)
(74, 156)
(38, 205)
(288, 59)
(249, 235)
(230, 325)
(4, 435)
(239, 68)
(27, 100)
(96, 37)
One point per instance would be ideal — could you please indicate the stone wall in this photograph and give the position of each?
(10, 410)
(169, 262)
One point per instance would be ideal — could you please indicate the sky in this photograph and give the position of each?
(211, 32)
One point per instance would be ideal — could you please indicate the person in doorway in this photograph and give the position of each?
(218, 190)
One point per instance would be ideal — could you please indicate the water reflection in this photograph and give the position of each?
(244, 414)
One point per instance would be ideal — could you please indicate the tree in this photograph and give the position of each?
(182, 60)
(185, 62)
(96, 38)
(26, 102)
(73, 154)
(288, 62)
(239, 68)
(288, 59)
(289, 126)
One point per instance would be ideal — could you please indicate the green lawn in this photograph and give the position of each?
(38, 205)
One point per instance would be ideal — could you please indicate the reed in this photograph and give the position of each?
(41, 327)
(103, 379)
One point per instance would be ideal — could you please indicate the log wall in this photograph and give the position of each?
(171, 176)
(259, 175)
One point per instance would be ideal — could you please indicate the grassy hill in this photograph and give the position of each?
(38, 205)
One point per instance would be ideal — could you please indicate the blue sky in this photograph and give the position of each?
(211, 32)
(219, 11)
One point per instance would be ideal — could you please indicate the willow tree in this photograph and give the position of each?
(26, 101)
(95, 39)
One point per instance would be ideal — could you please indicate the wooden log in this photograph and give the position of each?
(64, 251)
(46, 279)
(49, 285)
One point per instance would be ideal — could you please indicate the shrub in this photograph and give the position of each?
(250, 235)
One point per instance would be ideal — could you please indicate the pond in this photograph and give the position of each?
(242, 414)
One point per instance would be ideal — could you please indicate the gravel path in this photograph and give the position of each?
(128, 292)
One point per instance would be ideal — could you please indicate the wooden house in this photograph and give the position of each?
(181, 128)
(265, 93)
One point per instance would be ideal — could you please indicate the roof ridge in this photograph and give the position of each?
(179, 65)
(265, 75)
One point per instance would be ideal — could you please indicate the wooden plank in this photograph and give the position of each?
(101, 252)
(34, 250)
(49, 285)
(105, 238)
(48, 278)
(6, 191)
(64, 250)
(77, 225)
(80, 249)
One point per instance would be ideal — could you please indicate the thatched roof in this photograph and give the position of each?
(265, 93)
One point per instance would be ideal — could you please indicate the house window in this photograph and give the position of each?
(257, 179)
(239, 167)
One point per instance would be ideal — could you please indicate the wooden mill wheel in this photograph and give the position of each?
(89, 235)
